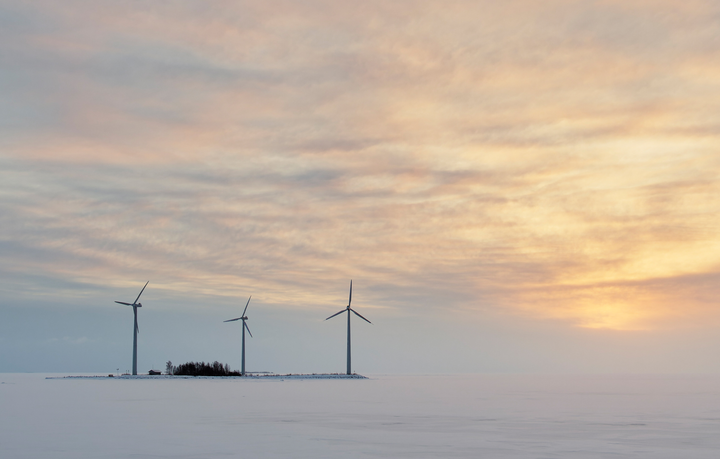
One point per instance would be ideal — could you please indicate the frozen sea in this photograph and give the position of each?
(456, 416)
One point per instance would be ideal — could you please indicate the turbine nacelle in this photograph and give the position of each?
(135, 303)
(243, 317)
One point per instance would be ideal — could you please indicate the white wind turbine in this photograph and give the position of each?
(135, 305)
(348, 309)
(245, 326)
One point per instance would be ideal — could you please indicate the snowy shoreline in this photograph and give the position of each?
(248, 376)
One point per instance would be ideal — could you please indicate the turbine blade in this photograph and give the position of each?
(126, 304)
(232, 320)
(336, 314)
(143, 289)
(350, 299)
(246, 305)
(137, 329)
(363, 318)
(247, 328)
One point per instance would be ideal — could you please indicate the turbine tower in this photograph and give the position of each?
(348, 309)
(136, 330)
(245, 326)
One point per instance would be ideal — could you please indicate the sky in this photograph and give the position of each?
(512, 186)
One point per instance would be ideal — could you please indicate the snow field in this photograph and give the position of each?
(460, 416)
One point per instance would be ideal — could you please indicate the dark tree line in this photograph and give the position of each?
(204, 369)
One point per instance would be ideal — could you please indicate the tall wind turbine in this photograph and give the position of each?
(348, 309)
(245, 326)
(135, 305)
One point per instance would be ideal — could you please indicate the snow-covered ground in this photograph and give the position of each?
(473, 416)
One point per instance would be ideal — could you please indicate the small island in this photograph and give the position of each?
(202, 370)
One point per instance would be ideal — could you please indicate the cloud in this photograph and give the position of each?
(553, 160)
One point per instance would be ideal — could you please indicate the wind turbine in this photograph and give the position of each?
(135, 305)
(348, 309)
(245, 326)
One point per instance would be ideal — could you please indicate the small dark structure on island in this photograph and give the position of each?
(349, 310)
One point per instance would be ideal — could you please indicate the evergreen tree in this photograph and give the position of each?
(204, 369)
